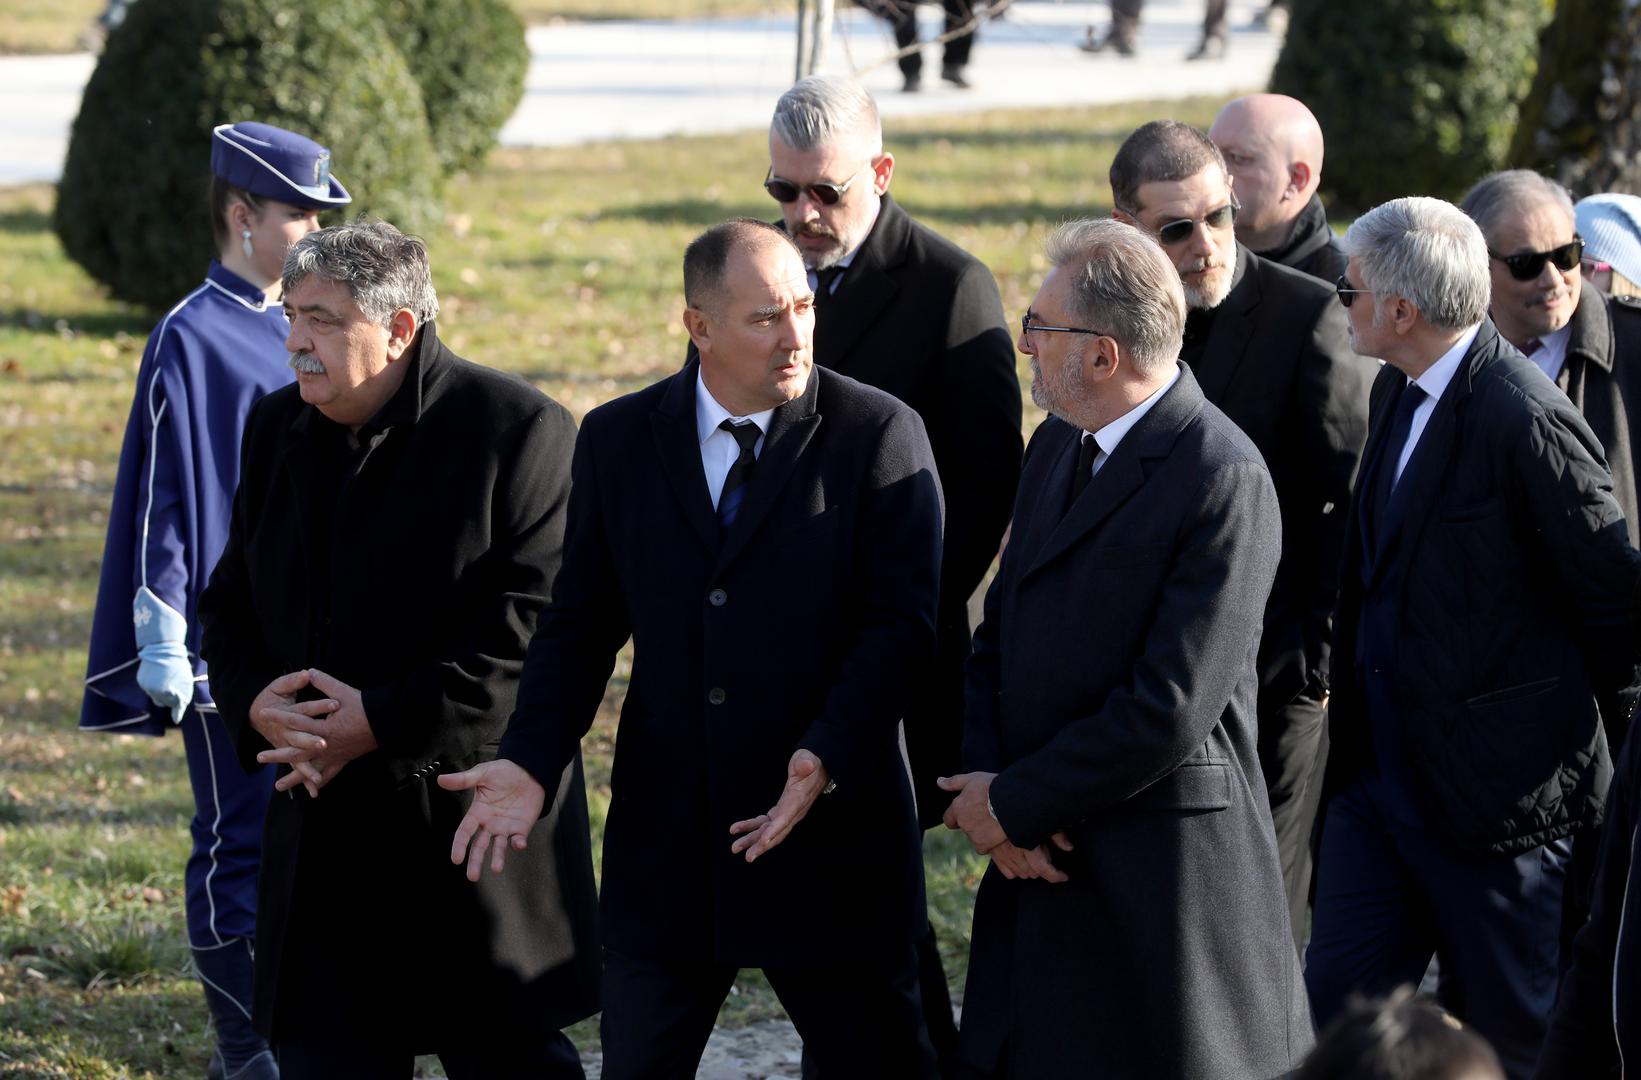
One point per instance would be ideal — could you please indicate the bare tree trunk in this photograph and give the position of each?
(1581, 122)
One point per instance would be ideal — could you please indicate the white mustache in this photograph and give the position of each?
(306, 364)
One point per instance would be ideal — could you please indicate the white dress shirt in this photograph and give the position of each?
(1551, 354)
(1109, 436)
(718, 447)
(1433, 382)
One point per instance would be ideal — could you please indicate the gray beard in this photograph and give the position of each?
(306, 364)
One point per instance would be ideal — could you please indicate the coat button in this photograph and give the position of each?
(717, 598)
(716, 695)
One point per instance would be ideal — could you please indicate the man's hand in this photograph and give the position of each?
(806, 779)
(292, 728)
(345, 735)
(1017, 863)
(507, 801)
(971, 810)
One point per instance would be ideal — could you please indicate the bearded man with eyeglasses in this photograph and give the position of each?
(1269, 346)
(901, 308)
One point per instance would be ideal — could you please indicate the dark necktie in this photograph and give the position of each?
(1086, 453)
(824, 282)
(1401, 425)
(740, 473)
(1532, 347)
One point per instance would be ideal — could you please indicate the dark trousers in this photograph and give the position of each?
(229, 807)
(1388, 897)
(864, 1020)
(494, 1052)
(1292, 755)
(1125, 17)
(902, 15)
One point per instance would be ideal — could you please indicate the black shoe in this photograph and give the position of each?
(912, 85)
(955, 77)
(1211, 48)
(1121, 44)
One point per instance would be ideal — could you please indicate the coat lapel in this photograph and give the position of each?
(1227, 345)
(678, 445)
(867, 287)
(790, 430)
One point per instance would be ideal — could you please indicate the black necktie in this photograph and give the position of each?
(824, 282)
(1084, 472)
(740, 473)
(1401, 425)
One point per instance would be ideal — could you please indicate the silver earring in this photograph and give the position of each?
(245, 243)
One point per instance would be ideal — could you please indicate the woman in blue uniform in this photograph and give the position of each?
(213, 355)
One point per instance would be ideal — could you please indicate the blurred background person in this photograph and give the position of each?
(1611, 227)
(1400, 1038)
(209, 360)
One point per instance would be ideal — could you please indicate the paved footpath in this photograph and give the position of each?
(633, 80)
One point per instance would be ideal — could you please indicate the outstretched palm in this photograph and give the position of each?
(507, 802)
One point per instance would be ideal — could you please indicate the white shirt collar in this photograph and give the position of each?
(1551, 354)
(1109, 436)
(709, 414)
(1436, 377)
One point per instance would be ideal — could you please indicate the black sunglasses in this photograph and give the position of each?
(1530, 264)
(1347, 295)
(1176, 231)
(823, 192)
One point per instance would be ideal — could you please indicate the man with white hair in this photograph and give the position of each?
(1483, 637)
(1268, 346)
(1132, 923)
(1273, 149)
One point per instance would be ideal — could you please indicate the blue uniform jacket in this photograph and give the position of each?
(209, 360)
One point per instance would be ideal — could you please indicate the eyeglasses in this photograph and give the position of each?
(1530, 264)
(1176, 231)
(822, 191)
(1346, 294)
(1027, 327)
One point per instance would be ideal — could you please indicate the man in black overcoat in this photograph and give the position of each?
(1132, 923)
(901, 308)
(398, 522)
(1268, 345)
(1484, 641)
(767, 533)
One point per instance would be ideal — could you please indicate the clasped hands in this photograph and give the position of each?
(315, 738)
(507, 801)
(971, 813)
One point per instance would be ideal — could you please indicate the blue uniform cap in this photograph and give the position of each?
(276, 164)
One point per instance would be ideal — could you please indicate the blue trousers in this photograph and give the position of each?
(229, 807)
(1389, 896)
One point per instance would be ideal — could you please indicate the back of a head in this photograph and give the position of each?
(822, 110)
(1123, 285)
(384, 269)
(1161, 151)
(1427, 251)
(1400, 1038)
(1611, 227)
(1511, 194)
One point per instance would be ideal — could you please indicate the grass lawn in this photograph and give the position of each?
(31, 26)
(562, 265)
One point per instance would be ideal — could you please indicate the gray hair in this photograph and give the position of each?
(1123, 285)
(1427, 251)
(383, 269)
(1510, 194)
(820, 110)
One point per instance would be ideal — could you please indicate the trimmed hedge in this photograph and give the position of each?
(1415, 97)
(469, 58)
(131, 206)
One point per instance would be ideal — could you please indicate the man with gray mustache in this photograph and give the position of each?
(1272, 350)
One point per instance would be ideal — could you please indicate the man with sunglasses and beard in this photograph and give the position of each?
(1269, 346)
(1483, 647)
(905, 310)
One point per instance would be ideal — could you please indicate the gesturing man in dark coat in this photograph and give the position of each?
(903, 309)
(768, 535)
(1132, 923)
(399, 519)
(1483, 640)
(1268, 346)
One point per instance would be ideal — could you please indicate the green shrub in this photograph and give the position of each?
(469, 58)
(1415, 97)
(131, 205)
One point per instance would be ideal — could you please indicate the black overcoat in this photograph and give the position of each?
(1505, 602)
(918, 316)
(802, 626)
(1602, 377)
(1112, 689)
(414, 572)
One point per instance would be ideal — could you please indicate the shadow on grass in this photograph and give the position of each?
(992, 138)
(23, 222)
(1014, 212)
(96, 324)
(698, 212)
